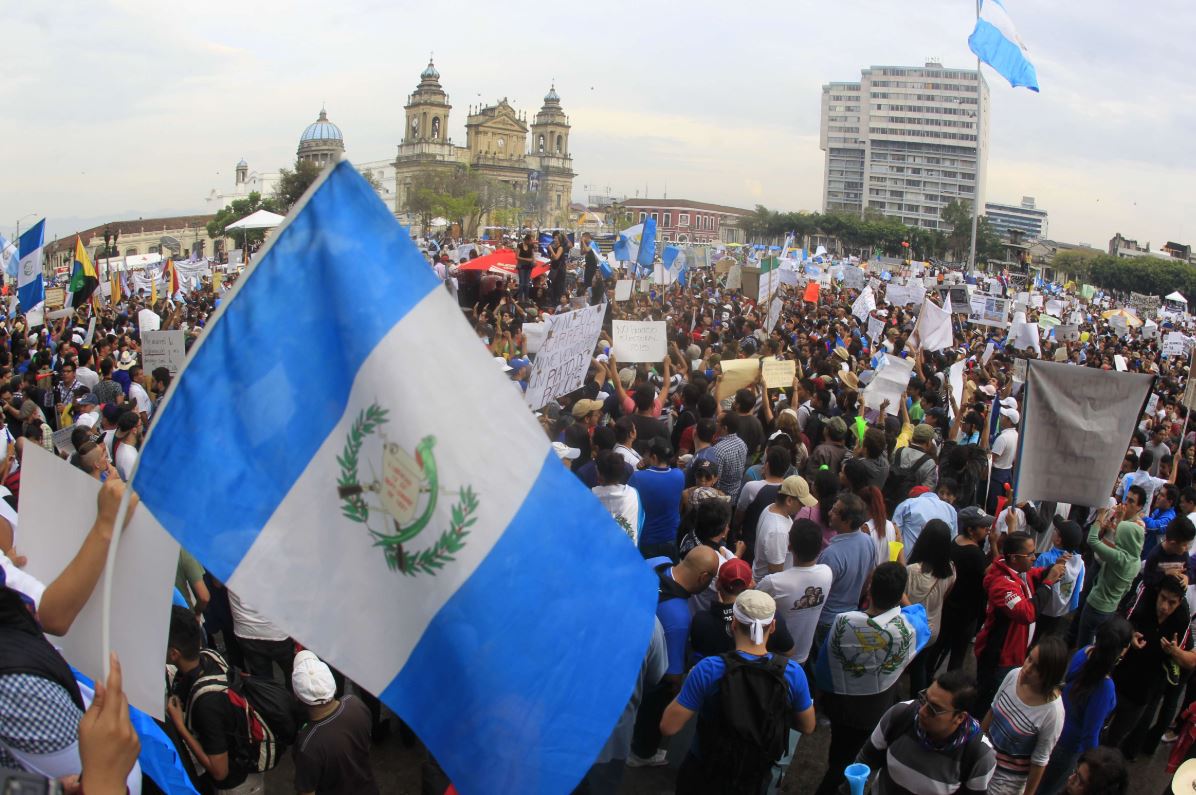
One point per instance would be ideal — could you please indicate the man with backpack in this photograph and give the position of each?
(746, 702)
(912, 466)
(235, 727)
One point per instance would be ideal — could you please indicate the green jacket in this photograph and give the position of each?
(1118, 566)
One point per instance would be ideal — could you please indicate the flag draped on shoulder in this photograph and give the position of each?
(372, 525)
(31, 288)
(995, 41)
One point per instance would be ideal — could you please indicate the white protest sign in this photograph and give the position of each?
(932, 331)
(36, 316)
(737, 373)
(1036, 301)
(639, 340)
(769, 282)
(864, 303)
(989, 349)
(534, 334)
(876, 328)
(735, 277)
(1152, 405)
(897, 295)
(774, 312)
(57, 511)
(623, 289)
(890, 381)
(955, 380)
(163, 349)
(1120, 363)
(988, 310)
(565, 355)
(148, 320)
(1150, 330)
(91, 332)
(790, 277)
(1174, 344)
(778, 373)
(1068, 333)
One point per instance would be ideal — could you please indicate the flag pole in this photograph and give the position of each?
(979, 122)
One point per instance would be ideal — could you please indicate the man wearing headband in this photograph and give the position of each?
(736, 748)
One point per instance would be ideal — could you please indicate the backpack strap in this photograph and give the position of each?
(901, 723)
(669, 588)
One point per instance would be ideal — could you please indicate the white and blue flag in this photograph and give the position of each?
(675, 263)
(31, 290)
(646, 255)
(467, 578)
(627, 245)
(9, 256)
(995, 41)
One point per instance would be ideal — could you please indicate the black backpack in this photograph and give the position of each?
(901, 479)
(272, 716)
(748, 733)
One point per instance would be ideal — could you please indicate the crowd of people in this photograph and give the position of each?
(824, 566)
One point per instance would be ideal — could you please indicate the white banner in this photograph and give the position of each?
(565, 355)
(639, 340)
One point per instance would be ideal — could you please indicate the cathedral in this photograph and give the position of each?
(499, 144)
(532, 159)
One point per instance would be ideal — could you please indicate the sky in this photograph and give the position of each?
(126, 108)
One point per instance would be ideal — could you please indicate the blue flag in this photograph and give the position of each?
(603, 265)
(995, 41)
(9, 256)
(372, 525)
(31, 289)
(647, 251)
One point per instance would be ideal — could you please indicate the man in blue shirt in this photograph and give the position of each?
(912, 515)
(754, 621)
(677, 583)
(1160, 518)
(851, 556)
(660, 488)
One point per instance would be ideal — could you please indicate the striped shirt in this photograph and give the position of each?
(905, 765)
(1022, 735)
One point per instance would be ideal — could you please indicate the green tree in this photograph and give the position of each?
(292, 184)
(1076, 264)
(238, 209)
(957, 215)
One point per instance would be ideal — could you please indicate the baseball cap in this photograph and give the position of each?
(584, 406)
(923, 434)
(734, 576)
(519, 364)
(973, 516)
(1070, 532)
(796, 486)
(501, 362)
(704, 467)
(311, 679)
(89, 400)
(565, 452)
(1012, 415)
(1009, 402)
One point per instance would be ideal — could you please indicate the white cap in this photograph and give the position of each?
(506, 368)
(1011, 415)
(311, 679)
(1009, 402)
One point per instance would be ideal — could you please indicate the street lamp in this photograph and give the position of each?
(22, 218)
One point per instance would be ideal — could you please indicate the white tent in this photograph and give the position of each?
(1177, 296)
(262, 219)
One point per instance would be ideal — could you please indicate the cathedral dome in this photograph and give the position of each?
(430, 72)
(322, 130)
(552, 96)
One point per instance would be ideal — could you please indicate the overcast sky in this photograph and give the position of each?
(128, 108)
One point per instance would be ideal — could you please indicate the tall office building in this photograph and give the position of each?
(1026, 218)
(903, 142)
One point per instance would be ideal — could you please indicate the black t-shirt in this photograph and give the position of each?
(216, 724)
(647, 429)
(333, 756)
(525, 255)
(967, 598)
(709, 633)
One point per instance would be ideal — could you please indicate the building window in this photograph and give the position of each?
(668, 219)
(435, 128)
(560, 144)
(682, 238)
(682, 219)
(540, 144)
(642, 217)
(654, 216)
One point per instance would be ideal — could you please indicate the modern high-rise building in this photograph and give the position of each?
(1025, 218)
(903, 142)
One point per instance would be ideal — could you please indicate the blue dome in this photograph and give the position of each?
(242, 164)
(322, 130)
(552, 96)
(430, 72)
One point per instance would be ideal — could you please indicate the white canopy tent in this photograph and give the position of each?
(1177, 297)
(262, 219)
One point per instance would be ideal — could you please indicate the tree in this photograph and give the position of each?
(1076, 264)
(238, 209)
(957, 215)
(293, 184)
(459, 194)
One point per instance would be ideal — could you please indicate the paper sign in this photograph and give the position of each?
(163, 349)
(1152, 405)
(148, 320)
(774, 313)
(91, 333)
(58, 507)
(639, 341)
(623, 289)
(1036, 300)
(778, 373)
(955, 380)
(55, 297)
(62, 440)
(1174, 344)
(1019, 369)
(1120, 363)
(889, 383)
(1068, 333)
(1076, 426)
(534, 334)
(989, 349)
(876, 327)
(988, 310)
(36, 316)
(1189, 399)
(737, 373)
(565, 355)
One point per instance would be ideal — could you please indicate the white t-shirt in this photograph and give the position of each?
(800, 592)
(882, 541)
(630, 456)
(140, 398)
(247, 623)
(1004, 449)
(772, 542)
(125, 460)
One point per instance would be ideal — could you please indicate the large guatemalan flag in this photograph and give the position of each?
(343, 453)
(995, 41)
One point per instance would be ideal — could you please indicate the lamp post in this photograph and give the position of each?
(17, 237)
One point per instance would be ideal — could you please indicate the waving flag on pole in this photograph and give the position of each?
(627, 245)
(647, 248)
(372, 525)
(674, 260)
(9, 256)
(84, 279)
(31, 289)
(995, 41)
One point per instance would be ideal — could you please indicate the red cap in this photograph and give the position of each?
(734, 576)
(918, 490)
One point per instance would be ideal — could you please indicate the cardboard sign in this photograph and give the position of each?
(737, 373)
(55, 297)
(639, 340)
(989, 310)
(565, 355)
(163, 349)
(778, 373)
(57, 512)
(623, 289)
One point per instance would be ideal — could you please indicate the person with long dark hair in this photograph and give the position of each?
(1089, 697)
(931, 577)
(1026, 718)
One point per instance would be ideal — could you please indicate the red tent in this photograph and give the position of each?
(501, 261)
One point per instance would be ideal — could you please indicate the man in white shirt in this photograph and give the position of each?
(89, 411)
(262, 642)
(84, 374)
(1004, 451)
(772, 529)
(137, 394)
(800, 591)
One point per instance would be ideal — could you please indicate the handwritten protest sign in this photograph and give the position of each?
(565, 355)
(163, 349)
(623, 289)
(737, 373)
(876, 327)
(62, 440)
(639, 341)
(55, 297)
(1068, 333)
(890, 381)
(778, 373)
(1174, 344)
